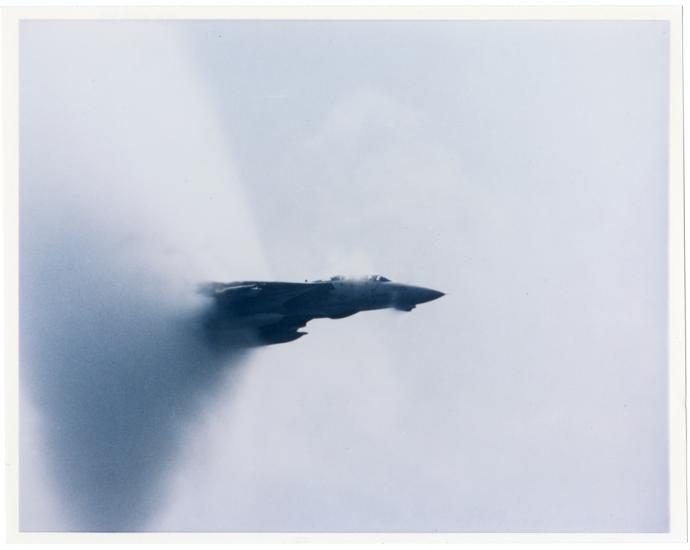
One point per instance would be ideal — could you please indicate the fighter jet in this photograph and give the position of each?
(263, 313)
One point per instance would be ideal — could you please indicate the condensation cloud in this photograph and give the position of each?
(128, 199)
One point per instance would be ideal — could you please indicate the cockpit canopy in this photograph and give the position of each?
(378, 279)
(371, 278)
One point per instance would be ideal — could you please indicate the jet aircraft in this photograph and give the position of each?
(262, 313)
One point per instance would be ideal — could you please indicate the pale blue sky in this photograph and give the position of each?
(519, 167)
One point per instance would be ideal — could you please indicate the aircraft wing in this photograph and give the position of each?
(252, 293)
(285, 330)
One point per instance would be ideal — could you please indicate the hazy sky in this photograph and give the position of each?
(520, 167)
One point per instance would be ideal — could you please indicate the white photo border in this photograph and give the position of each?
(10, 20)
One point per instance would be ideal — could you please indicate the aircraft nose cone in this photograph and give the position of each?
(428, 294)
